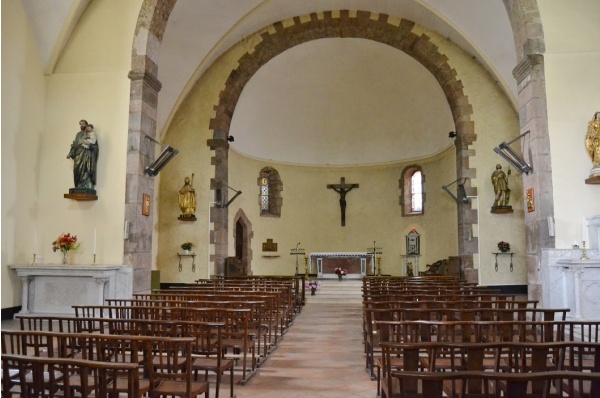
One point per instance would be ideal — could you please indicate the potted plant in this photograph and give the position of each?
(504, 246)
(187, 246)
(340, 272)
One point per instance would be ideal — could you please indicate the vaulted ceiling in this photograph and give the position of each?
(330, 78)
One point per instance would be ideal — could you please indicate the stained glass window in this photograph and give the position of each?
(264, 193)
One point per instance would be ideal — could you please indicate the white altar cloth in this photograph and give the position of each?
(53, 289)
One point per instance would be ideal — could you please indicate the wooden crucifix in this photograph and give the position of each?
(342, 189)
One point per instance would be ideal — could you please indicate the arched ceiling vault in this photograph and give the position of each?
(198, 32)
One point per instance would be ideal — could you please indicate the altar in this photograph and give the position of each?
(53, 289)
(572, 282)
(358, 264)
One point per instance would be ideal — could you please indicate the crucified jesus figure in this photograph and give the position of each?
(342, 189)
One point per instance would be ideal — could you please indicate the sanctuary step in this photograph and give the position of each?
(335, 291)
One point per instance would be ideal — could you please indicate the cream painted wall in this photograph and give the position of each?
(310, 212)
(23, 102)
(188, 132)
(573, 94)
(90, 82)
(495, 121)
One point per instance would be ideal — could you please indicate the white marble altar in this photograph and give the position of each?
(53, 289)
(356, 263)
(570, 282)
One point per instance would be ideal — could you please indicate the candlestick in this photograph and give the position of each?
(583, 252)
(94, 244)
(34, 240)
(33, 263)
(94, 259)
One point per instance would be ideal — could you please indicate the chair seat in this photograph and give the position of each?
(210, 364)
(178, 388)
(123, 384)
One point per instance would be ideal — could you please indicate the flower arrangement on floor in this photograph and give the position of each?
(503, 246)
(65, 243)
(313, 286)
(340, 272)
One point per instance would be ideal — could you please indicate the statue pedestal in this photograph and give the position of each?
(81, 194)
(593, 180)
(502, 209)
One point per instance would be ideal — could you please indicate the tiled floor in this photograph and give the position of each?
(320, 356)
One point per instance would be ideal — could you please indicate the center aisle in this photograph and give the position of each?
(321, 356)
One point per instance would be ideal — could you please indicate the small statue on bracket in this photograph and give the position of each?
(84, 152)
(501, 191)
(187, 200)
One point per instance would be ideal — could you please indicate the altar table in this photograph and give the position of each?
(53, 289)
(358, 264)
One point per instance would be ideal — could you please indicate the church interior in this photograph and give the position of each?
(299, 127)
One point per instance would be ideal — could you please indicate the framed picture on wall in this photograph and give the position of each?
(146, 205)
(530, 200)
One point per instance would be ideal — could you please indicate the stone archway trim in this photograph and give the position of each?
(366, 25)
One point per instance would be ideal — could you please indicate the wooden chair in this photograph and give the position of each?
(209, 356)
(518, 384)
(163, 359)
(44, 371)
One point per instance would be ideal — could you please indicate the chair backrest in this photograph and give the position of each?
(35, 373)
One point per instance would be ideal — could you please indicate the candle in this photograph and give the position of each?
(34, 240)
(584, 230)
(94, 241)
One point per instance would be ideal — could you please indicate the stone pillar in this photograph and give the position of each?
(141, 152)
(219, 216)
(536, 150)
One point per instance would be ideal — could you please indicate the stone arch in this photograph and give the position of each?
(528, 34)
(365, 25)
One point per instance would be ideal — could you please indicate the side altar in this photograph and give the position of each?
(53, 289)
(358, 264)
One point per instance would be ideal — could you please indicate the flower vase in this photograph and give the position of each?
(339, 277)
(312, 291)
(65, 259)
(186, 252)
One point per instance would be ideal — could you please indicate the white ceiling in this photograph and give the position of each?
(199, 31)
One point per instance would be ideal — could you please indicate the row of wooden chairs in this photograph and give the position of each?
(209, 355)
(427, 326)
(46, 364)
(464, 310)
(238, 340)
(508, 369)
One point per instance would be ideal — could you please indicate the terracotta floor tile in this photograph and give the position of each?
(321, 356)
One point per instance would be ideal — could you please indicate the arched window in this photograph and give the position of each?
(412, 197)
(416, 192)
(264, 193)
(270, 187)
